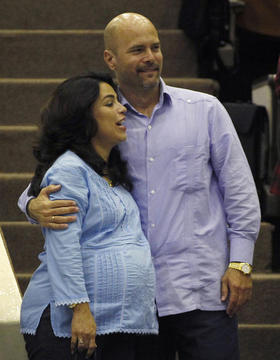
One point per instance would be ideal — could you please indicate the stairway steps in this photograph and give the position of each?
(259, 342)
(263, 249)
(267, 311)
(64, 53)
(32, 94)
(12, 185)
(16, 148)
(26, 237)
(23, 280)
(83, 14)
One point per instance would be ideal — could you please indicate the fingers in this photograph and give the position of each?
(224, 291)
(91, 348)
(74, 340)
(68, 206)
(240, 294)
(55, 220)
(54, 226)
(237, 288)
(50, 189)
(62, 219)
(83, 343)
(43, 210)
(233, 304)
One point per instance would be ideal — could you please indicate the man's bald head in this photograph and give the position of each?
(122, 23)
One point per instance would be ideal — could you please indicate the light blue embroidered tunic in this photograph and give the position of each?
(102, 258)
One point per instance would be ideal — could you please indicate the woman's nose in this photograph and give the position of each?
(122, 108)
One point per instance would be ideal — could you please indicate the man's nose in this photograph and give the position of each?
(149, 55)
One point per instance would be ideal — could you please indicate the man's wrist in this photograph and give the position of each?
(244, 267)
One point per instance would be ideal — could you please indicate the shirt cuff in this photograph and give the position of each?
(242, 250)
(23, 204)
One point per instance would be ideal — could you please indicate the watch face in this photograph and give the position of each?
(246, 269)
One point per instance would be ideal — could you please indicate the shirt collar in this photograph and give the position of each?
(164, 97)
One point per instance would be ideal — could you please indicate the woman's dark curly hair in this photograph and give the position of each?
(68, 124)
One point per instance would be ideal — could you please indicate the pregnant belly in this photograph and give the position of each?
(121, 285)
(115, 274)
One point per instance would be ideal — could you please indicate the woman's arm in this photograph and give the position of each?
(64, 256)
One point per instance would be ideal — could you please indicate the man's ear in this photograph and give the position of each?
(110, 59)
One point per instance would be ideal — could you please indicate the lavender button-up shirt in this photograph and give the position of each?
(198, 203)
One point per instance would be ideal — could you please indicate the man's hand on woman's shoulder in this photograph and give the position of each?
(52, 214)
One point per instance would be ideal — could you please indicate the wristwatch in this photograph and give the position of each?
(243, 267)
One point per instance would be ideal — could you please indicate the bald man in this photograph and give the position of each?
(197, 198)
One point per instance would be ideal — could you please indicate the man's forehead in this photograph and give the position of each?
(136, 37)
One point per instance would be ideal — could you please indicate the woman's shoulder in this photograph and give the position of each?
(69, 161)
(71, 164)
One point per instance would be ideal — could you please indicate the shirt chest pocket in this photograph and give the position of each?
(189, 168)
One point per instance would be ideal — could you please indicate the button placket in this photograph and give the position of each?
(150, 171)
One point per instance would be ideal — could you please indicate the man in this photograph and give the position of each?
(198, 203)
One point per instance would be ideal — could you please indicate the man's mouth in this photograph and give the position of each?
(148, 69)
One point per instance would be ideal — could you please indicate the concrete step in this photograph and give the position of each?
(63, 53)
(12, 185)
(263, 249)
(16, 148)
(83, 14)
(267, 311)
(259, 342)
(24, 242)
(32, 94)
(23, 280)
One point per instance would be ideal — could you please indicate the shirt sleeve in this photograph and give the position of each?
(236, 184)
(23, 202)
(63, 248)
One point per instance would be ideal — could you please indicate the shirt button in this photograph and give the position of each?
(151, 159)
(189, 101)
(152, 191)
(149, 127)
(153, 225)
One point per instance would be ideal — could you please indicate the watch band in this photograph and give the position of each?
(246, 268)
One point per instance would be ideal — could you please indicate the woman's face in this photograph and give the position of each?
(109, 115)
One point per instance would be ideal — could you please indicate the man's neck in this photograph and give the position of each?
(143, 101)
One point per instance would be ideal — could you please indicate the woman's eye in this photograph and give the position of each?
(109, 104)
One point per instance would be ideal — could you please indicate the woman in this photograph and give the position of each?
(95, 277)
